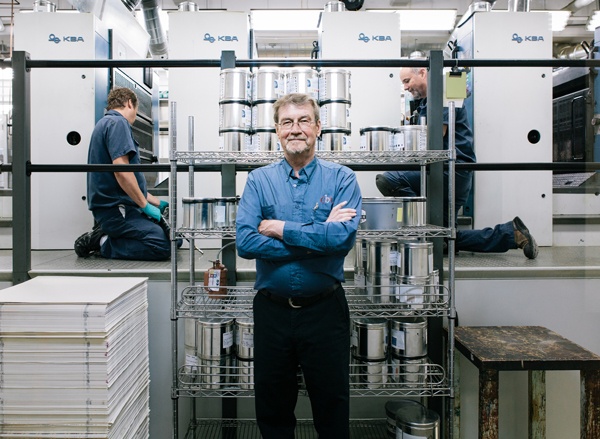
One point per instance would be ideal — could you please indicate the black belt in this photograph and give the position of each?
(300, 302)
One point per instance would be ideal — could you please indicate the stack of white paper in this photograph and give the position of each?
(74, 358)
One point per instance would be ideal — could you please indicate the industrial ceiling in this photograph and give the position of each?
(284, 44)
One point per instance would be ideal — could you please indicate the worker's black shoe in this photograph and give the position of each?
(88, 244)
(524, 239)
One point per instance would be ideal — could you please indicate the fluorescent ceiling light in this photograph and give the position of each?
(423, 19)
(427, 19)
(285, 19)
(594, 21)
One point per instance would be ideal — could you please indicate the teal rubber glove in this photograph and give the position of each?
(152, 211)
(162, 206)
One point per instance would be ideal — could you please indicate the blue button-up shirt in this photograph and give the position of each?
(463, 136)
(112, 138)
(311, 255)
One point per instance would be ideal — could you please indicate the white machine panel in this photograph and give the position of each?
(65, 105)
(509, 105)
(202, 35)
(375, 92)
(62, 102)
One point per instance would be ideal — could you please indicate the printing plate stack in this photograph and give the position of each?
(74, 358)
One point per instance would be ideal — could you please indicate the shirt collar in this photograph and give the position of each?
(308, 170)
(113, 113)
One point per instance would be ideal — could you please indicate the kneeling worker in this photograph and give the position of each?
(126, 216)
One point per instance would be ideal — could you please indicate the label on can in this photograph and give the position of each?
(247, 340)
(247, 117)
(363, 143)
(359, 280)
(191, 360)
(279, 86)
(227, 339)
(399, 215)
(323, 113)
(398, 339)
(398, 142)
(423, 140)
(393, 258)
(220, 214)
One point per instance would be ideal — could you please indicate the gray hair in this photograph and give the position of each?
(297, 99)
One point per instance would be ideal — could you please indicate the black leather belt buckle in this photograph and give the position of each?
(299, 302)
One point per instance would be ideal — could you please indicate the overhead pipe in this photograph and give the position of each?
(158, 40)
(518, 5)
(575, 5)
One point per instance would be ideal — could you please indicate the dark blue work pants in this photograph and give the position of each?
(498, 239)
(317, 338)
(132, 236)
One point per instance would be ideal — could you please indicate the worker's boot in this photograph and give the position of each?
(524, 239)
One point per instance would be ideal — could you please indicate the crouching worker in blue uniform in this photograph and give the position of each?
(297, 218)
(127, 217)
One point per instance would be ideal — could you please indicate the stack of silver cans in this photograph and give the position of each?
(409, 138)
(209, 213)
(415, 267)
(335, 101)
(393, 406)
(416, 423)
(244, 350)
(235, 115)
(376, 138)
(268, 85)
(209, 351)
(369, 347)
(385, 351)
(303, 80)
(360, 265)
(382, 266)
(395, 270)
(408, 347)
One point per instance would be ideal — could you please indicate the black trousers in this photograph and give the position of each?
(317, 338)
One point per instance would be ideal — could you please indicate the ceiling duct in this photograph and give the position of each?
(483, 6)
(158, 40)
(575, 5)
(187, 7)
(131, 4)
(518, 5)
(44, 6)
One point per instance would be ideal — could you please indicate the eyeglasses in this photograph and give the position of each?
(303, 124)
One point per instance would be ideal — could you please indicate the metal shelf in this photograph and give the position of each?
(236, 302)
(247, 429)
(342, 157)
(425, 231)
(400, 379)
(189, 233)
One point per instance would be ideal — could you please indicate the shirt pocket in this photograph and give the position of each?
(320, 215)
